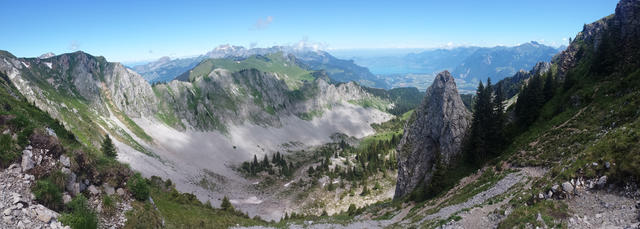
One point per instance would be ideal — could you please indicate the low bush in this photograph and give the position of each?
(8, 153)
(108, 205)
(139, 187)
(80, 215)
(48, 193)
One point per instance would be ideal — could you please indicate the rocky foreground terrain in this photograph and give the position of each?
(19, 206)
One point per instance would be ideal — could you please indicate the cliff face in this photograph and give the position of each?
(437, 127)
(223, 97)
(80, 76)
(617, 33)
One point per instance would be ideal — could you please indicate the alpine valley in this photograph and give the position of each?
(294, 137)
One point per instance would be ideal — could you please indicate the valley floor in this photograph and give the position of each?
(202, 163)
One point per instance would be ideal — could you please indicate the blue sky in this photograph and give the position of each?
(143, 30)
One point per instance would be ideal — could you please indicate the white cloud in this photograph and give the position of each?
(305, 44)
(262, 23)
(74, 46)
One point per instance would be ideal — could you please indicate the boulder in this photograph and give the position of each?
(16, 198)
(66, 198)
(602, 181)
(108, 189)
(27, 161)
(120, 192)
(567, 187)
(82, 187)
(66, 171)
(20, 225)
(555, 188)
(45, 215)
(74, 189)
(71, 185)
(65, 161)
(93, 190)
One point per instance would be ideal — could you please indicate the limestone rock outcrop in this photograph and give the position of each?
(437, 126)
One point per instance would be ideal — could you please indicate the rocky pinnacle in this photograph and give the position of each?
(437, 126)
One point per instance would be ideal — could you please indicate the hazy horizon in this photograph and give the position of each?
(143, 31)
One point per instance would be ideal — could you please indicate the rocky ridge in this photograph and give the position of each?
(437, 127)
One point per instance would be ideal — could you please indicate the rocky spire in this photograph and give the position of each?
(436, 127)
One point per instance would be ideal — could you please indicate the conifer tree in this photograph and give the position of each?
(226, 204)
(265, 162)
(549, 87)
(108, 149)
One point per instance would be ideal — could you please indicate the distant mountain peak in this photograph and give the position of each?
(46, 55)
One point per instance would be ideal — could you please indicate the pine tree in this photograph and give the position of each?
(226, 204)
(437, 185)
(530, 101)
(265, 162)
(495, 133)
(254, 165)
(549, 87)
(475, 146)
(108, 149)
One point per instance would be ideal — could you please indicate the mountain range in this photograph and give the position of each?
(467, 64)
(166, 69)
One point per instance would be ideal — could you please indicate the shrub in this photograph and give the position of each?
(377, 186)
(81, 216)
(48, 193)
(352, 210)
(108, 205)
(7, 153)
(58, 179)
(143, 216)
(139, 187)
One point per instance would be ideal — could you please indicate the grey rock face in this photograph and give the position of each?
(260, 97)
(27, 161)
(437, 126)
(625, 22)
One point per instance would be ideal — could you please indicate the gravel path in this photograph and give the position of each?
(501, 187)
(600, 209)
